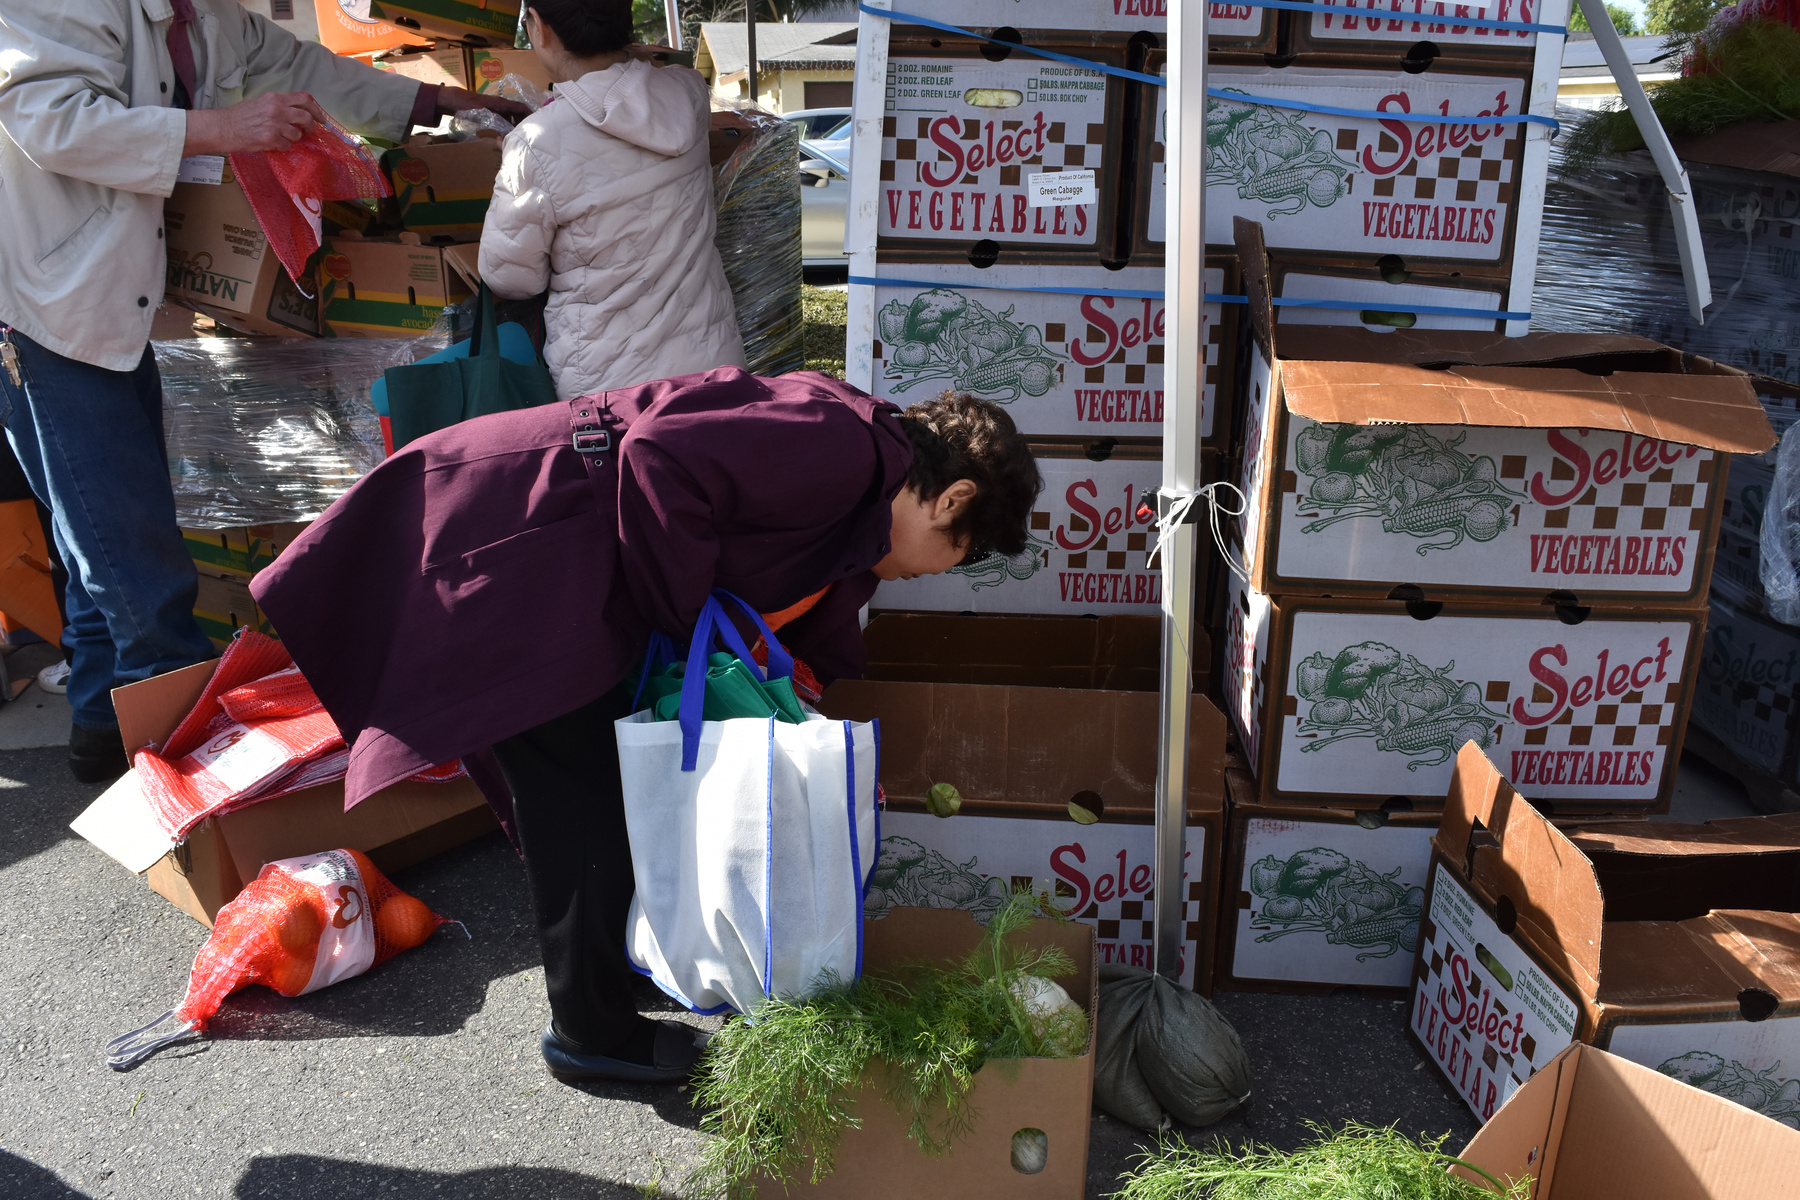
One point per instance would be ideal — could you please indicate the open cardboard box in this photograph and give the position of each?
(1675, 946)
(1591, 1126)
(1024, 715)
(1054, 1095)
(1573, 469)
(397, 827)
(443, 188)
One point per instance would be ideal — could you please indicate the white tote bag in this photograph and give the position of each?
(752, 841)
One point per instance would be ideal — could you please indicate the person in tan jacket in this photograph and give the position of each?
(605, 197)
(100, 101)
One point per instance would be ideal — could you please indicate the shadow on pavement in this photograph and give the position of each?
(38, 799)
(292, 1175)
(22, 1180)
(425, 992)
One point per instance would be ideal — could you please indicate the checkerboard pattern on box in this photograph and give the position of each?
(1063, 364)
(960, 137)
(1360, 186)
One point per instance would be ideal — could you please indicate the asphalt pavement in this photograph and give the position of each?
(422, 1078)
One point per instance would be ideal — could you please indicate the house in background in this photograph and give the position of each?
(1587, 82)
(799, 64)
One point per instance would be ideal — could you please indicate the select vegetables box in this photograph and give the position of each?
(1576, 469)
(1320, 898)
(1064, 363)
(1026, 716)
(1349, 702)
(1088, 544)
(1673, 946)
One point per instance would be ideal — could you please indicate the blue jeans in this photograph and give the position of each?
(91, 443)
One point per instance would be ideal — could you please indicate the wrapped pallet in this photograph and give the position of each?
(757, 190)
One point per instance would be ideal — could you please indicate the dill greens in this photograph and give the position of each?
(779, 1086)
(1356, 1162)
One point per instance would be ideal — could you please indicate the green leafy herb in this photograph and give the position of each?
(1356, 1162)
(780, 1085)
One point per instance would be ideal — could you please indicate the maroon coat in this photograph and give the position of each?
(489, 577)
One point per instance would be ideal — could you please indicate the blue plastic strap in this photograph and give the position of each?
(1040, 52)
(856, 888)
(1214, 93)
(1435, 310)
(1121, 293)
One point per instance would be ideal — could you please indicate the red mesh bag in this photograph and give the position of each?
(288, 188)
(305, 923)
(258, 732)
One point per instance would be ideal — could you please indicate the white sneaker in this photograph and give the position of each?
(54, 678)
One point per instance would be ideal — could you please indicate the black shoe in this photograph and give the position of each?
(97, 755)
(677, 1050)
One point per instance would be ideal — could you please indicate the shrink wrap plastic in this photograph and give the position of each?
(263, 430)
(757, 191)
(1607, 261)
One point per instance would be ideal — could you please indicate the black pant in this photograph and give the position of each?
(570, 809)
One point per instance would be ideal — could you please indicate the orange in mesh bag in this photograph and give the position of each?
(303, 924)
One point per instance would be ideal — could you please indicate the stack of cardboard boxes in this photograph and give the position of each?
(1453, 537)
(1673, 946)
(383, 271)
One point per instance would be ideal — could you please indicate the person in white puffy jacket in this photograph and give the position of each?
(605, 197)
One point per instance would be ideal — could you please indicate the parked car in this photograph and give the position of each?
(824, 202)
(817, 122)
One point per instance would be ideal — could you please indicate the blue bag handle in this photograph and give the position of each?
(714, 621)
(660, 651)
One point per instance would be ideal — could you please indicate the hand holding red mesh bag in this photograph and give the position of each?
(287, 188)
(303, 924)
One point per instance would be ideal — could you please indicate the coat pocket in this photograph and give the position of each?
(77, 237)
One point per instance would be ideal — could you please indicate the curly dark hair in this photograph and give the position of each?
(956, 436)
(587, 27)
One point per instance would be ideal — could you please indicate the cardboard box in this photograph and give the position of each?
(1389, 294)
(1023, 716)
(397, 827)
(391, 287)
(488, 67)
(442, 189)
(343, 32)
(220, 264)
(478, 22)
(1670, 945)
(1748, 695)
(1594, 1127)
(1087, 552)
(1583, 467)
(1102, 355)
(962, 136)
(1234, 26)
(1387, 33)
(1320, 898)
(239, 552)
(447, 68)
(1307, 696)
(1360, 186)
(224, 606)
(1055, 1095)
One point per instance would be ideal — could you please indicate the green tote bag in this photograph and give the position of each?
(428, 396)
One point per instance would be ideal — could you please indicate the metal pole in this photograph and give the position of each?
(750, 28)
(1184, 278)
(672, 11)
